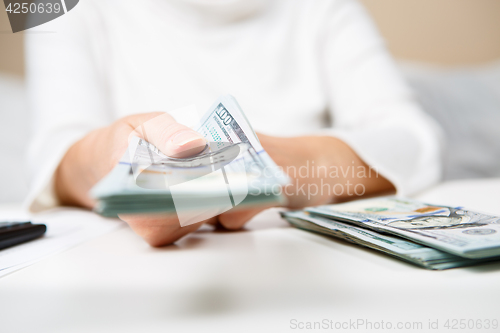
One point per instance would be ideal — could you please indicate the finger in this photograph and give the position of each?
(159, 229)
(170, 137)
(213, 222)
(237, 219)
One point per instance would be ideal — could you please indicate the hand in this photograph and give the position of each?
(311, 163)
(94, 156)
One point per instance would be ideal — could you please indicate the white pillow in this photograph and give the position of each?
(466, 102)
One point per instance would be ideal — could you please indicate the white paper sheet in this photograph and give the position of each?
(66, 228)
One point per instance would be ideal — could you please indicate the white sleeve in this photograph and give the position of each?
(67, 95)
(371, 107)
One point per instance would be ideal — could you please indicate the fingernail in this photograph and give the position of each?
(184, 137)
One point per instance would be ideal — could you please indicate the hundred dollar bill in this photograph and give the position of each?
(454, 230)
(233, 170)
(394, 246)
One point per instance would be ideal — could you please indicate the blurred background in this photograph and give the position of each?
(448, 50)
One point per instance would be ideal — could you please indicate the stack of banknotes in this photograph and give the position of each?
(431, 236)
(233, 170)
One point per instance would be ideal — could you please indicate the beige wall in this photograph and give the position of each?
(11, 46)
(445, 32)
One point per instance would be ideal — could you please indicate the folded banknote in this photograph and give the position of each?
(233, 170)
(454, 230)
(400, 248)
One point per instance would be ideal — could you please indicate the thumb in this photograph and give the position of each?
(170, 137)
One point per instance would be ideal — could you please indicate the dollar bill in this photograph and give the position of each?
(394, 246)
(233, 170)
(454, 230)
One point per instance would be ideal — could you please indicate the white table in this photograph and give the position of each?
(260, 279)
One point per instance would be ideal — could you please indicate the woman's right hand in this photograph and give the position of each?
(95, 155)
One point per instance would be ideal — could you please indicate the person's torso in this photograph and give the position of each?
(159, 57)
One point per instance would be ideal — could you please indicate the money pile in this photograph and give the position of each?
(233, 170)
(431, 236)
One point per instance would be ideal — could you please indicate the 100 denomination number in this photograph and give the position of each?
(224, 115)
(24, 8)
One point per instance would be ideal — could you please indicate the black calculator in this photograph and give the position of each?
(13, 233)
